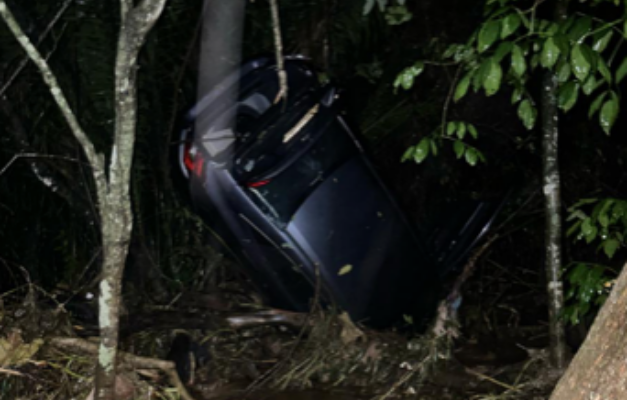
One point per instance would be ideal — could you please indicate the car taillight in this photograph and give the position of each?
(257, 184)
(192, 159)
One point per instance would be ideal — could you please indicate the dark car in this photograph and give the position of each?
(290, 188)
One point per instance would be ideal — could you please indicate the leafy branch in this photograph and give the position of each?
(513, 44)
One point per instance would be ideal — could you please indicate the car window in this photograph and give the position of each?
(281, 196)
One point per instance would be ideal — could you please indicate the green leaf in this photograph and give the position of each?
(502, 50)
(462, 88)
(581, 27)
(621, 71)
(517, 95)
(407, 155)
(596, 104)
(582, 202)
(519, 66)
(591, 56)
(471, 156)
(579, 62)
(551, 29)
(397, 15)
(492, 81)
(601, 210)
(368, 6)
(578, 274)
(550, 53)
(563, 71)
(566, 24)
(527, 113)
(589, 85)
(480, 75)
(619, 210)
(574, 228)
(601, 40)
(408, 75)
(603, 216)
(451, 127)
(459, 148)
(535, 61)
(473, 131)
(434, 148)
(577, 214)
(510, 24)
(609, 113)
(422, 150)
(610, 246)
(604, 70)
(461, 130)
(488, 34)
(562, 42)
(589, 230)
(452, 50)
(567, 95)
(481, 156)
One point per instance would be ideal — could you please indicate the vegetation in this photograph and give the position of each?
(457, 79)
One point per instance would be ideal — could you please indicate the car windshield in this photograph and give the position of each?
(281, 196)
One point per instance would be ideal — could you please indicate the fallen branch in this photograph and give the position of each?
(125, 359)
(490, 379)
(267, 317)
(10, 372)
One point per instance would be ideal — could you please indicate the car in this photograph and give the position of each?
(290, 189)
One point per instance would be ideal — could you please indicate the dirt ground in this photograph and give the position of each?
(47, 351)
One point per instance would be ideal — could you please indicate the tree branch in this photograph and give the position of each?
(128, 359)
(43, 35)
(96, 160)
(33, 155)
(278, 49)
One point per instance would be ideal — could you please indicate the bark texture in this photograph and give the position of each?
(552, 206)
(116, 208)
(599, 370)
(553, 220)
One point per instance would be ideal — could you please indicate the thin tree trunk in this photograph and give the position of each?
(117, 216)
(599, 370)
(553, 221)
(552, 207)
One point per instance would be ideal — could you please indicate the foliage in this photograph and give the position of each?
(589, 286)
(605, 223)
(601, 221)
(513, 43)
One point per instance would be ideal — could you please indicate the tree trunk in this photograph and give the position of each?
(552, 206)
(116, 211)
(599, 371)
(553, 220)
